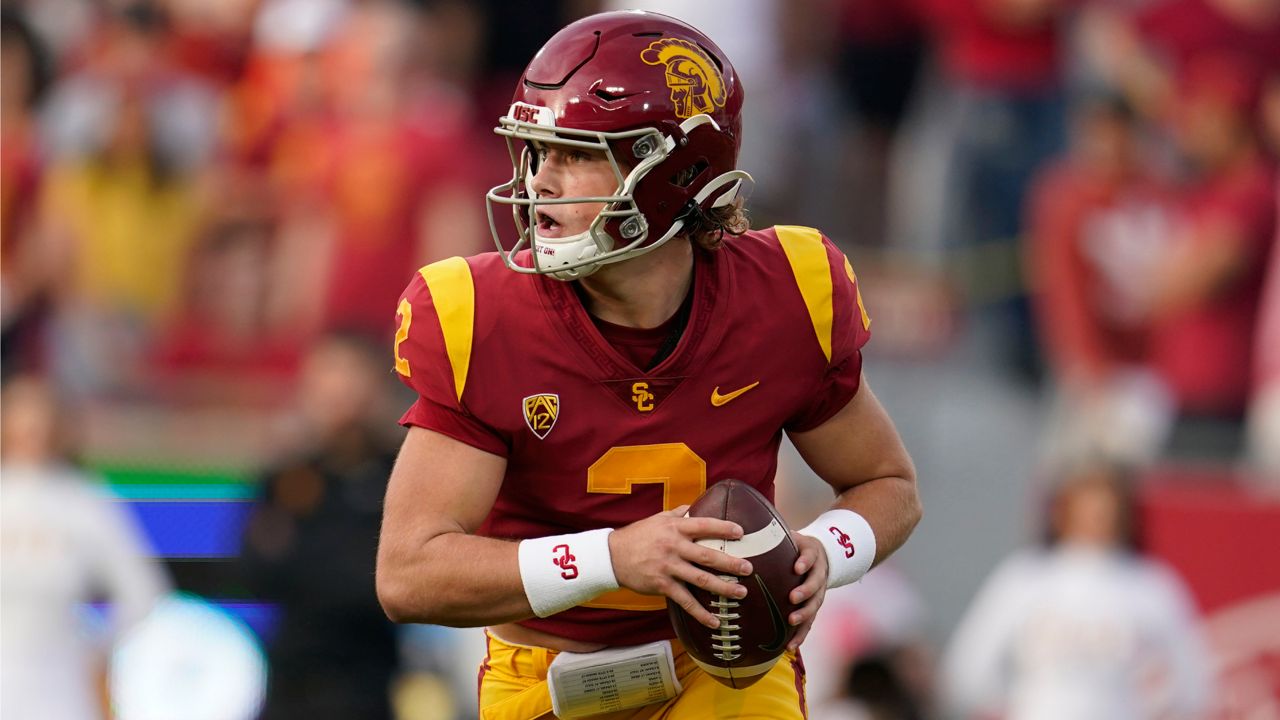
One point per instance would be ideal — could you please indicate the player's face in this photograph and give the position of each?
(570, 172)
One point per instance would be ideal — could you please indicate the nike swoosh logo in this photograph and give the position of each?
(717, 399)
(779, 625)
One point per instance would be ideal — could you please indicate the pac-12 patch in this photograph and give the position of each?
(540, 413)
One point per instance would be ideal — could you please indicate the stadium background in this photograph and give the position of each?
(202, 200)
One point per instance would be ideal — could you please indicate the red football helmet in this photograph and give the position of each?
(664, 105)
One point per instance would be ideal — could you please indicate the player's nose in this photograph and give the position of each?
(546, 181)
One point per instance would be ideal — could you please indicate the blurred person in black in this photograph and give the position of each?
(65, 544)
(880, 54)
(310, 543)
(876, 689)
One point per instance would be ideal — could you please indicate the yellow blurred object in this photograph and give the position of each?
(423, 696)
(131, 233)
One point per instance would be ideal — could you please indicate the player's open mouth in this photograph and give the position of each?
(547, 225)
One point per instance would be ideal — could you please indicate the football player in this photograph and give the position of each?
(577, 390)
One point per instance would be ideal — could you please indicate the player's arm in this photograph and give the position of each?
(433, 569)
(859, 454)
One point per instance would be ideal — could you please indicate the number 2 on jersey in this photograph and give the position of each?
(683, 476)
(405, 311)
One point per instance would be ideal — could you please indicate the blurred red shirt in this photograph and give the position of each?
(1180, 31)
(978, 49)
(1093, 245)
(1268, 343)
(380, 180)
(1205, 352)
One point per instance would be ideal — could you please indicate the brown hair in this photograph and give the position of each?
(706, 228)
(1119, 480)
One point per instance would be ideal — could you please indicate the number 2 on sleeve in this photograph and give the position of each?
(405, 313)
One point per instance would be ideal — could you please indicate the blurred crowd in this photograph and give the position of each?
(208, 210)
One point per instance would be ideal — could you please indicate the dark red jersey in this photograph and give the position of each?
(512, 364)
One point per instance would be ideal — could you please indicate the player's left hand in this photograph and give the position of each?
(810, 594)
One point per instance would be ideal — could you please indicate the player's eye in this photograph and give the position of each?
(536, 155)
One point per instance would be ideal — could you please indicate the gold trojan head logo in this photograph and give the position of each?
(696, 83)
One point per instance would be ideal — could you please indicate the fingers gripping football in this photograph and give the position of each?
(657, 555)
(756, 630)
(810, 594)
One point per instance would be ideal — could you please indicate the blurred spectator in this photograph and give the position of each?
(879, 56)
(65, 544)
(867, 656)
(311, 540)
(1148, 305)
(127, 65)
(1098, 224)
(1002, 117)
(1084, 627)
(375, 177)
(123, 215)
(25, 268)
(219, 345)
(874, 690)
(1208, 286)
(1264, 420)
(281, 83)
(1264, 410)
(1146, 49)
(211, 40)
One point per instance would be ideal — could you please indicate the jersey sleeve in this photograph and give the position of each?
(837, 315)
(435, 323)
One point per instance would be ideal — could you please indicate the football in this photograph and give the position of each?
(753, 631)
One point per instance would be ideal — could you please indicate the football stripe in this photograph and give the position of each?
(454, 296)
(862, 309)
(751, 544)
(808, 259)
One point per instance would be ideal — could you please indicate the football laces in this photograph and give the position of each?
(726, 636)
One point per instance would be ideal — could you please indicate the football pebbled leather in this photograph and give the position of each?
(753, 631)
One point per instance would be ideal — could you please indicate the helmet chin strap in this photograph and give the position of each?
(550, 253)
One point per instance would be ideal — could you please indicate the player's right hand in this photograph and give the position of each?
(657, 555)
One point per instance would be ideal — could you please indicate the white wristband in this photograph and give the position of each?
(849, 542)
(563, 571)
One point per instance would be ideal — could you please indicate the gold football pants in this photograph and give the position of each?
(513, 686)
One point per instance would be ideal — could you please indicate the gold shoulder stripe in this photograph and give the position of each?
(808, 259)
(862, 309)
(454, 295)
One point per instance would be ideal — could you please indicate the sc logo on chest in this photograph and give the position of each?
(641, 396)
